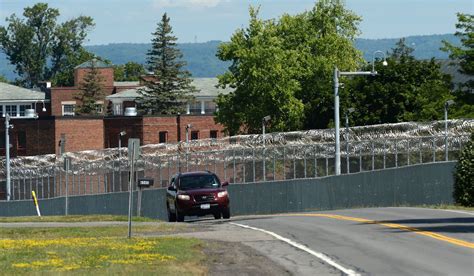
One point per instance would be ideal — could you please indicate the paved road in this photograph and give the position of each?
(382, 241)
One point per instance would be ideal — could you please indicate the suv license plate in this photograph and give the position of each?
(205, 206)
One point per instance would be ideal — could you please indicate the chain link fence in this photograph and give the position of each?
(238, 164)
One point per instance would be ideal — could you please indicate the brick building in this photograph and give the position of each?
(57, 128)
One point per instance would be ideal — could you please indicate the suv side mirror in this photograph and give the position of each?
(225, 183)
(171, 188)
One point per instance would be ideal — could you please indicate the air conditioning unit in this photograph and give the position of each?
(30, 113)
(130, 111)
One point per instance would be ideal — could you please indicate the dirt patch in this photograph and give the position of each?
(234, 258)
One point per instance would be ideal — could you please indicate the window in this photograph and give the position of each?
(163, 135)
(11, 110)
(21, 140)
(23, 108)
(69, 109)
(99, 108)
(194, 135)
(210, 107)
(213, 134)
(118, 109)
(195, 108)
(1, 111)
(2, 140)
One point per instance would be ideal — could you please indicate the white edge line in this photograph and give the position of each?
(318, 255)
(445, 210)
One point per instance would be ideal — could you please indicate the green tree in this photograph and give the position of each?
(39, 47)
(464, 106)
(3, 79)
(405, 90)
(92, 92)
(130, 71)
(283, 68)
(170, 87)
(464, 176)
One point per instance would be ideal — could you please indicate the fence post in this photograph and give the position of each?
(421, 150)
(284, 162)
(233, 161)
(304, 161)
(315, 162)
(274, 164)
(327, 166)
(434, 149)
(244, 165)
(384, 155)
(253, 163)
(396, 153)
(225, 165)
(294, 162)
(360, 159)
(408, 151)
(373, 156)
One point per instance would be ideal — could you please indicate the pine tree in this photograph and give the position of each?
(92, 92)
(170, 87)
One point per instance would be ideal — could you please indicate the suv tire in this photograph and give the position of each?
(226, 213)
(217, 215)
(179, 217)
(171, 216)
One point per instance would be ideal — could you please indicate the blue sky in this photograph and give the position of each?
(203, 20)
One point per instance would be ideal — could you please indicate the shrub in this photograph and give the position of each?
(464, 176)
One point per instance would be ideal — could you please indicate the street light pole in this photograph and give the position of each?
(264, 121)
(337, 74)
(446, 107)
(7, 153)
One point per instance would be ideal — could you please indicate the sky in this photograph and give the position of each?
(119, 21)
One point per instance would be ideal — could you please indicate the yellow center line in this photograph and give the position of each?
(393, 225)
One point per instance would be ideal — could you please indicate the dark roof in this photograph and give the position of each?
(97, 64)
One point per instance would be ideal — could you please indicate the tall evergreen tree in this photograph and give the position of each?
(170, 87)
(92, 92)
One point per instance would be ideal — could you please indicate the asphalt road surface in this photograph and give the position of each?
(377, 241)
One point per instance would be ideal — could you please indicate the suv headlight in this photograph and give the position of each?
(184, 197)
(222, 194)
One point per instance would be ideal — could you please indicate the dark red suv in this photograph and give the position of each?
(197, 194)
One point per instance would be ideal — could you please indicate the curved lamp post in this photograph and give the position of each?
(337, 74)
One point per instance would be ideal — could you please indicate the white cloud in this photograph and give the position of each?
(185, 3)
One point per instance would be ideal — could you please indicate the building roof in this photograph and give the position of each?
(126, 83)
(13, 93)
(97, 64)
(206, 89)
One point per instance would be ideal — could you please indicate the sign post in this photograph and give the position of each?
(35, 201)
(133, 155)
(142, 183)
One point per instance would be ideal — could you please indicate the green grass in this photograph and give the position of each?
(99, 250)
(75, 218)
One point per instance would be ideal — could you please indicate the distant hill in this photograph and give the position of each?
(202, 61)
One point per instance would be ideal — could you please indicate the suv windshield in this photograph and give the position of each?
(198, 182)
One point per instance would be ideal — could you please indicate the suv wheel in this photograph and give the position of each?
(171, 216)
(179, 217)
(226, 213)
(217, 215)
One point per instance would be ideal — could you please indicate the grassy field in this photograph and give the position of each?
(101, 250)
(74, 218)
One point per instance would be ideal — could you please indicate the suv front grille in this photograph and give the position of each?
(204, 198)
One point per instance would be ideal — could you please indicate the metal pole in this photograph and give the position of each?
(337, 157)
(446, 132)
(119, 162)
(347, 142)
(66, 211)
(7, 154)
(132, 178)
(263, 141)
